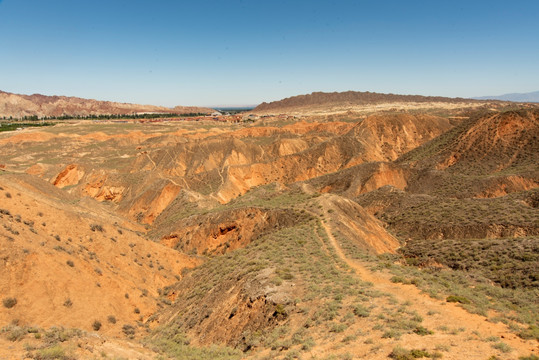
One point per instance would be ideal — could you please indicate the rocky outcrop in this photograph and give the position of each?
(218, 233)
(152, 202)
(97, 188)
(71, 175)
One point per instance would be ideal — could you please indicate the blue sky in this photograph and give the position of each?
(241, 52)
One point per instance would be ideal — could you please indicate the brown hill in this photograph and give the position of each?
(499, 144)
(496, 142)
(18, 106)
(351, 99)
(486, 156)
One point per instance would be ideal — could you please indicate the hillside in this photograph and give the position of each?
(73, 272)
(477, 181)
(18, 106)
(320, 102)
(486, 143)
(395, 234)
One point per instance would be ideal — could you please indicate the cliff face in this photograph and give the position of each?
(29, 105)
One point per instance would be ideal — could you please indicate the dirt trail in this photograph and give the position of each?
(447, 314)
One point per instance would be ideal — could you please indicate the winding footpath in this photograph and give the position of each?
(446, 315)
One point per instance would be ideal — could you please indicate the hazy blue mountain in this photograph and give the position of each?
(517, 97)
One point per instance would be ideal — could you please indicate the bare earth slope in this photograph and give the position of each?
(69, 263)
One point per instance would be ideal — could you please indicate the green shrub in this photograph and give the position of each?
(96, 325)
(420, 330)
(96, 227)
(532, 332)
(338, 328)
(9, 302)
(391, 334)
(51, 353)
(457, 299)
(400, 353)
(361, 311)
(399, 279)
(182, 351)
(280, 310)
(59, 334)
(531, 357)
(503, 347)
(128, 330)
(308, 344)
(15, 333)
(416, 354)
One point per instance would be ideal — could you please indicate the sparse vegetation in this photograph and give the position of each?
(14, 332)
(400, 353)
(532, 332)
(128, 330)
(457, 299)
(96, 325)
(97, 227)
(52, 352)
(503, 347)
(473, 293)
(420, 330)
(531, 357)
(181, 351)
(361, 311)
(9, 302)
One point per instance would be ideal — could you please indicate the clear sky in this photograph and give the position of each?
(239, 52)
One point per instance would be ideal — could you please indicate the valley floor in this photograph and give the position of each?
(399, 234)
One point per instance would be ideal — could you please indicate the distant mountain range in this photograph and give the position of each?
(18, 106)
(516, 97)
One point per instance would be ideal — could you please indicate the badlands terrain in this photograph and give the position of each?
(325, 226)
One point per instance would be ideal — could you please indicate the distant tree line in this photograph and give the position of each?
(11, 126)
(24, 118)
(234, 111)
